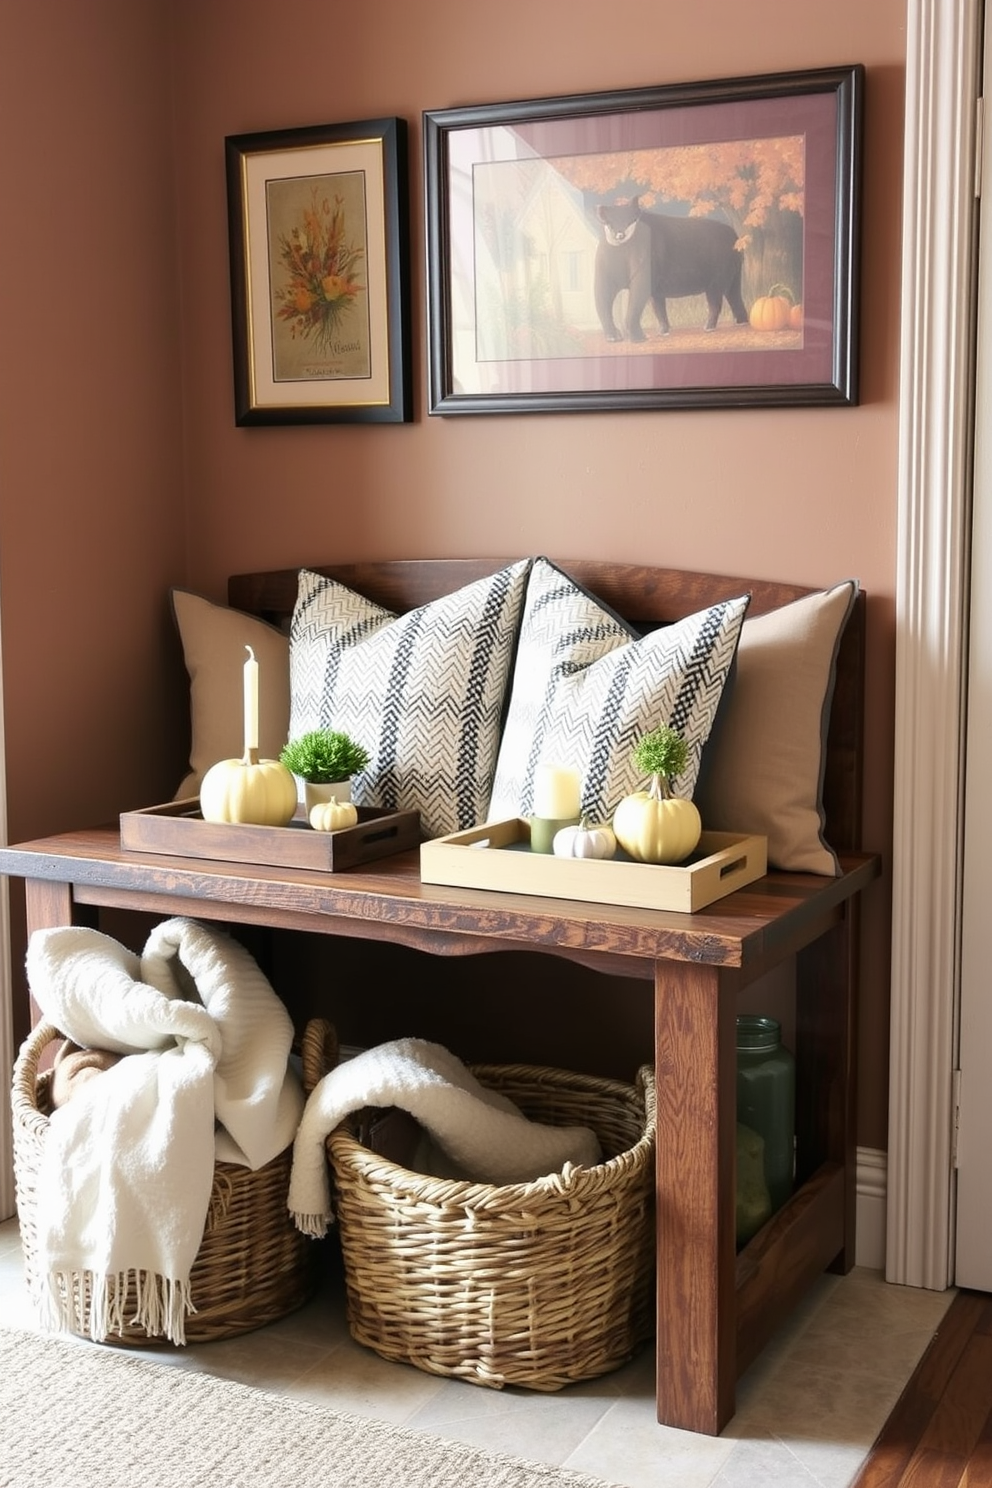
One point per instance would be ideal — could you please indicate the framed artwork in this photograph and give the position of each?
(318, 230)
(688, 246)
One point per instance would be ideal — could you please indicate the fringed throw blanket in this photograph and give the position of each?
(483, 1134)
(127, 1166)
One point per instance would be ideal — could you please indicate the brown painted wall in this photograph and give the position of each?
(111, 490)
(92, 511)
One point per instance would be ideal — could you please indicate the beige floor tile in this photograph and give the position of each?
(869, 1328)
(542, 1427)
(351, 1378)
(10, 1243)
(767, 1464)
(627, 1446)
(16, 1311)
(272, 1362)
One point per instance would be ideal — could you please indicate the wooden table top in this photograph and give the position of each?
(752, 928)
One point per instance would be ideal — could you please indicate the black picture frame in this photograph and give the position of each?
(516, 276)
(318, 231)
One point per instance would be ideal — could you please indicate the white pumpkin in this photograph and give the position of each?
(585, 842)
(332, 816)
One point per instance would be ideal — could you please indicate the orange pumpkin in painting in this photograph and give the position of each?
(770, 313)
(796, 318)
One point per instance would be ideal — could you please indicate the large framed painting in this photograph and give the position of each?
(674, 247)
(318, 232)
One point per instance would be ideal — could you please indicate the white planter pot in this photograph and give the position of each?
(333, 790)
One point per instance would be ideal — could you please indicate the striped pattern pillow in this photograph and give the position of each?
(586, 687)
(424, 692)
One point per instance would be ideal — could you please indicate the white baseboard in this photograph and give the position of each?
(869, 1248)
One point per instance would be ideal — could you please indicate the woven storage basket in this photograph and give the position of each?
(536, 1284)
(253, 1266)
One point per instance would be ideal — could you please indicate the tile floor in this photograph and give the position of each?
(808, 1409)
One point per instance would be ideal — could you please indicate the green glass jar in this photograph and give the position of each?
(766, 1099)
(754, 1205)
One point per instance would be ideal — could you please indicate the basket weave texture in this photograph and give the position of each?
(537, 1284)
(253, 1266)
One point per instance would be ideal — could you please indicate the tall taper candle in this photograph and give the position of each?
(251, 701)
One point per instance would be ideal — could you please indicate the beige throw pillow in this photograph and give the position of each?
(214, 640)
(762, 769)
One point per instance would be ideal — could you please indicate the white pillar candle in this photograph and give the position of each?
(557, 792)
(251, 701)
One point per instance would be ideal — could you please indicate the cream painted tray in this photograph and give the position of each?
(498, 856)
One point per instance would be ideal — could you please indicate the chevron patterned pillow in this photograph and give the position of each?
(586, 687)
(424, 692)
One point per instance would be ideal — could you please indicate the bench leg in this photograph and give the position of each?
(695, 1065)
(47, 906)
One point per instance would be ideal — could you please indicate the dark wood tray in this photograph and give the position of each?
(178, 828)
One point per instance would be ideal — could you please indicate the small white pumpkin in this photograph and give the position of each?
(332, 816)
(262, 792)
(585, 841)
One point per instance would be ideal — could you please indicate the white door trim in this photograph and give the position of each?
(942, 81)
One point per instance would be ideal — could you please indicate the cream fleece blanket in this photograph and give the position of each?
(483, 1134)
(127, 1166)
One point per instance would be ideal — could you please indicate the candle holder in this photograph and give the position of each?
(543, 829)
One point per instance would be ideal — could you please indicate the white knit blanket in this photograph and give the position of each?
(127, 1166)
(485, 1136)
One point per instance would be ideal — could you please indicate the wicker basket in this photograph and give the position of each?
(253, 1266)
(537, 1284)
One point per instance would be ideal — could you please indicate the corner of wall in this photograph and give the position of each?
(872, 1171)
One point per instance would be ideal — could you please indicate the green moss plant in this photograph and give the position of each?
(324, 755)
(661, 754)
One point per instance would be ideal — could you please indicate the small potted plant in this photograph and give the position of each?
(325, 760)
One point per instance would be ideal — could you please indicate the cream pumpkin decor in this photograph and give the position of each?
(262, 792)
(655, 826)
(332, 816)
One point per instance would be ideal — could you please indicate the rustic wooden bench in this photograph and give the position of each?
(518, 976)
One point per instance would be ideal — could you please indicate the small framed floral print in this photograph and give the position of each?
(318, 224)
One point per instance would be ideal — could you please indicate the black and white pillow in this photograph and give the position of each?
(586, 687)
(424, 692)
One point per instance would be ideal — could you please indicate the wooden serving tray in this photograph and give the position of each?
(178, 828)
(498, 856)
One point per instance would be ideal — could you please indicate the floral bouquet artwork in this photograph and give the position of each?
(319, 294)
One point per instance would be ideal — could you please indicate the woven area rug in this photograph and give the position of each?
(85, 1416)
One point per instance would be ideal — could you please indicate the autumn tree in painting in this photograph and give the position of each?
(757, 185)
